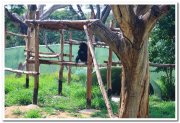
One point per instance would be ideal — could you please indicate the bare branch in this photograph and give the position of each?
(93, 16)
(41, 9)
(74, 12)
(105, 14)
(83, 17)
(98, 12)
(51, 10)
(16, 20)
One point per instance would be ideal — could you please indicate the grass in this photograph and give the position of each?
(33, 114)
(73, 99)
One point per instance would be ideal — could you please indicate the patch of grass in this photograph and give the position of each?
(33, 114)
(73, 99)
(161, 109)
(17, 112)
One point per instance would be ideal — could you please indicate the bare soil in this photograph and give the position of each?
(11, 112)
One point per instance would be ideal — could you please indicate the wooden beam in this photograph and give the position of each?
(21, 71)
(36, 58)
(89, 76)
(150, 64)
(161, 65)
(103, 91)
(48, 53)
(70, 58)
(61, 24)
(61, 66)
(28, 55)
(109, 82)
(65, 63)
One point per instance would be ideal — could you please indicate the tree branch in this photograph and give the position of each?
(83, 17)
(93, 16)
(41, 9)
(16, 21)
(104, 33)
(105, 14)
(51, 10)
(153, 15)
(98, 12)
(74, 12)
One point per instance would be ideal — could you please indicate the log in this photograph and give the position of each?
(21, 71)
(103, 91)
(36, 58)
(28, 55)
(48, 54)
(161, 65)
(61, 66)
(150, 64)
(70, 58)
(61, 24)
(109, 82)
(89, 78)
(15, 34)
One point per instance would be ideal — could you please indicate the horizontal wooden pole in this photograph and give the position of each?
(61, 24)
(150, 64)
(67, 63)
(161, 65)
(15, 34)
(20, 71)
(48, 55)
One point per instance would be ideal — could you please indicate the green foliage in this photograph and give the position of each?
(168, 89)
(162, 49)
(115, 77)
(33, 113)
(12, 41)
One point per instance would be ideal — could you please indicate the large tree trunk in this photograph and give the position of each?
(131, 47)
(135, 84)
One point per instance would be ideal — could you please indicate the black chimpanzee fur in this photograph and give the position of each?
(82, 53)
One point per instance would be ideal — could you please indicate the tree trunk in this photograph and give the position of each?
(135, 84)
(131, 47)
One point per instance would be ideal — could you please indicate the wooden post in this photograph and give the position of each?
(62, 59)
(28, 55)
(89, 78)
(36, 77)
(109, 81)
(103, 91)
(70, 58)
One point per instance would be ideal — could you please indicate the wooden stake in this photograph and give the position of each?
(103, 91)
(89, 78)
(36, 77)
(28, 55)
(109, 81)
(62, 66)
(70, 58)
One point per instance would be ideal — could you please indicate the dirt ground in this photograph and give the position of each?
(10, 112)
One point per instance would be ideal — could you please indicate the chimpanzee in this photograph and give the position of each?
(82, 53)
